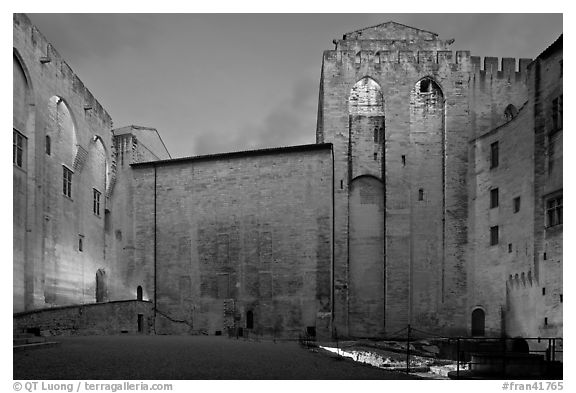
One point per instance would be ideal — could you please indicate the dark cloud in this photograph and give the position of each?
(291, 121)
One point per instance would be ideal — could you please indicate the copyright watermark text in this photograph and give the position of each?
(83, 386)
(539, 385)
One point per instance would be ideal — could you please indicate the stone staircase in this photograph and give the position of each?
(24, 341)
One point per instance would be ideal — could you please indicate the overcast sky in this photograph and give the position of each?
(221, 82)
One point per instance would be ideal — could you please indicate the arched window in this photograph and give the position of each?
(377, 58)
(63, 140)
(20, 96)
(48, 145)
(139, 293)
(510, 112)
(427, 91)
(478, 321)
(358, 58)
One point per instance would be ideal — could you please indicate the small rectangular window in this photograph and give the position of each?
(494, 160)
(509, 247)
(421, 194)
(96, 201)
(516, 204)
(18, 149)
(494, 235)
(554, 211)
(80, 243)
(493, 198)
(66, 181)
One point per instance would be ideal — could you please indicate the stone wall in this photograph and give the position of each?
(237, 233)
(490, 265)
(96, 318)
(49, 267)
(543, 294)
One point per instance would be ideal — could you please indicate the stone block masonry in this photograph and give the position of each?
(239, 234)
(117, 317)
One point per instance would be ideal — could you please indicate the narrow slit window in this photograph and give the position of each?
(494, 153)
(48, 145)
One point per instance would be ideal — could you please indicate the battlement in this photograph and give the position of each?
(48, 56)
(504, 68)
(522, 280)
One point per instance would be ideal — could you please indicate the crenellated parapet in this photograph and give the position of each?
(507, 67)
(500, 68)
(396, 56)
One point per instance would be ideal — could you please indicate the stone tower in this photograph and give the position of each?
(394, 103)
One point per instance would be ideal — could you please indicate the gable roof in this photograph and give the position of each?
(390, 26)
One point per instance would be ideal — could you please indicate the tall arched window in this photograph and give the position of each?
(366, 98)
(427, 95)
(20, 96)
(64, 144)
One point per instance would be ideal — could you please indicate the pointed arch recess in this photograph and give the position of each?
(366, 98)
(62, 130)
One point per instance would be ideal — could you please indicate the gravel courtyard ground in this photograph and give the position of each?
(185, 357)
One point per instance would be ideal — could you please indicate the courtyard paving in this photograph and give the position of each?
(185, 357)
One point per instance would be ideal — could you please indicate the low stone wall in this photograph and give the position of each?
(88, 319)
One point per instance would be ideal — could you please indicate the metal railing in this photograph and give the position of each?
(460, 349)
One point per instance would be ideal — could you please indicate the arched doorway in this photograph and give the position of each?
(250, 320)
(139, 293)
(100, 286)
(478, 321)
